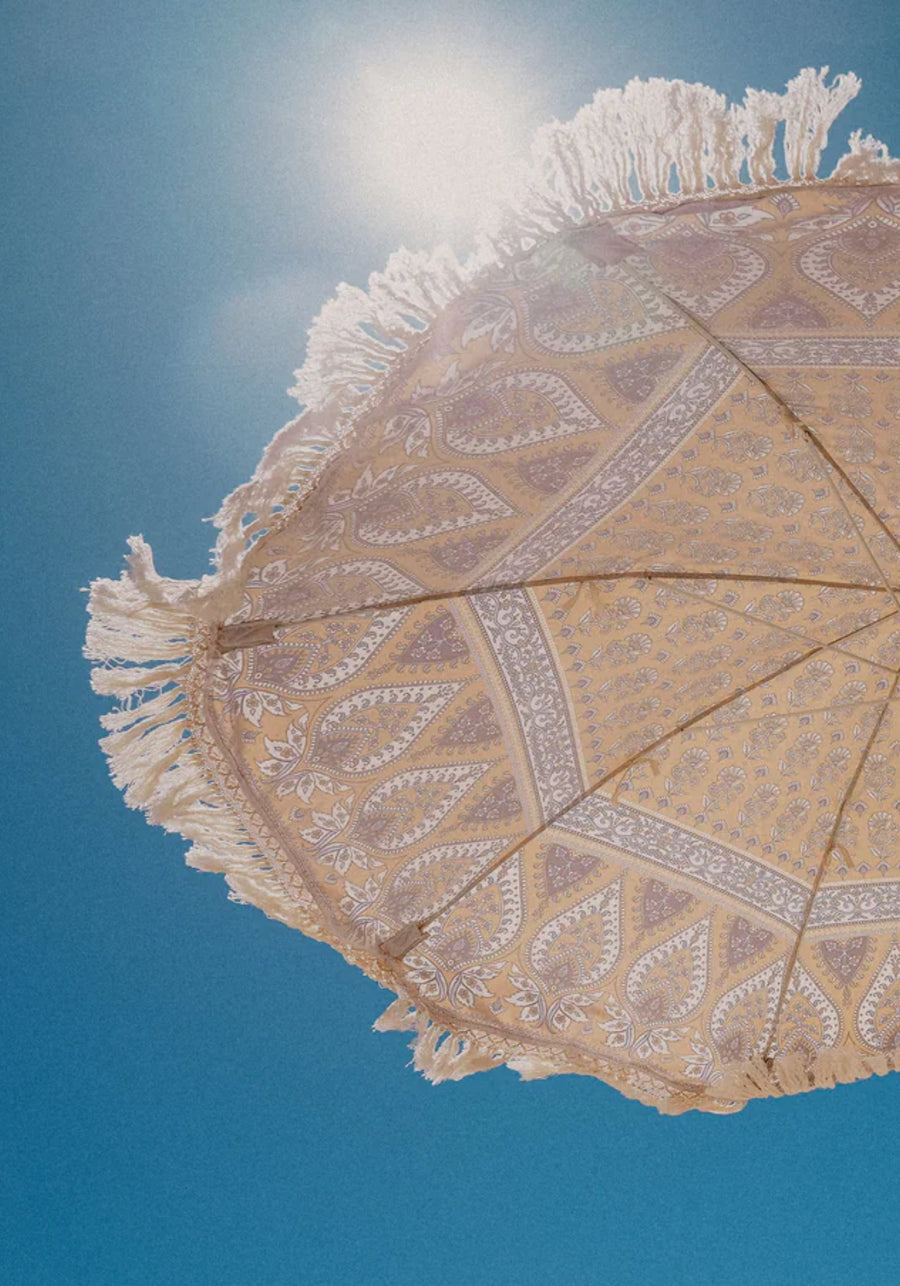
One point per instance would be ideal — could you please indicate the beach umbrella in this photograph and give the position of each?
(549, 666)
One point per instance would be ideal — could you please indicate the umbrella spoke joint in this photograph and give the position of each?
(402, 942)
(231, 638)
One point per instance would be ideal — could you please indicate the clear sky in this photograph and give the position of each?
(192, 1092)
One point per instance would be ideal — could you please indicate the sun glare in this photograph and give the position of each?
(435, 144)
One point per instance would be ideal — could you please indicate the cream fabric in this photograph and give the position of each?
(564, 703)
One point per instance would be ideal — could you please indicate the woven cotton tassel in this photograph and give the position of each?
(399, 1016)
(144, 643)
(797, 1073)
(442, 1056)
(652, 143)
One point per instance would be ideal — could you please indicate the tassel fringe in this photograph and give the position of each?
(438, 1053)
(650, 145)
(151, 660)
(795, 1074)
(442, 1054)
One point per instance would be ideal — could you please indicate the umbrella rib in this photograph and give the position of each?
(792, 416)
(784, 629)
(823, 865)
(231, 638)
(811, 437)
(799, 713)
(820, 446)
(409, 935)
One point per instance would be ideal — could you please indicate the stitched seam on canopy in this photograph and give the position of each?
(784, 629)
(791, 415)
(614, 772)
(452, 595)
(319, 452)
(823, 865)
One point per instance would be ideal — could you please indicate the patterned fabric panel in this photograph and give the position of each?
(868, 853)
(869, 618)
(517, 396)
(386, 752)
(592, 938)
(855, 413)
(743, 493)
(844, 991)
(586, 664)
(643, 657)
(797, 268)
(768, 784)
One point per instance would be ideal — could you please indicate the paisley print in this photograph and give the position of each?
(515, 411)
(660, 902)
(320, 658)
(439, 642)
(576, 720)
(741, 1021)
(668, 982)
(745, 943)
(658, 436)
(843, 959)
(486, 922)
(562, 868)
(788, 311)
(703, 272)
(808, 1020)
(422, 884)
(580, 946)
(476, 725)
(549, 474)
(500, 803)
(288, 594)
(426, 505)
(637, 378)
(410, 804)
(878, 1017)
(369, 730)
(860, 264)
(576, 308)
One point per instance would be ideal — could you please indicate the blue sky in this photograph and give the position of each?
(193, 1093)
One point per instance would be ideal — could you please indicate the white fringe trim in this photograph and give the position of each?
(149, 649)
(797, 1074)
(153, 658)
(650, 145)
(442, 1054)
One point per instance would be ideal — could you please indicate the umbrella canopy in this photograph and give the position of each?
(549, 667)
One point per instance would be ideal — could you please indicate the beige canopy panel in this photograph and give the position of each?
(550, 668)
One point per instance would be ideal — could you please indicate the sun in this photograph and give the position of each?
(436, 143)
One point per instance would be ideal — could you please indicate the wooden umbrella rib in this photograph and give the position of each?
(409, 935)
(820, 446)
(231, 637)
(791, 415)
(804, 638)
(823, 865)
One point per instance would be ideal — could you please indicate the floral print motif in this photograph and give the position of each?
(583, 649)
